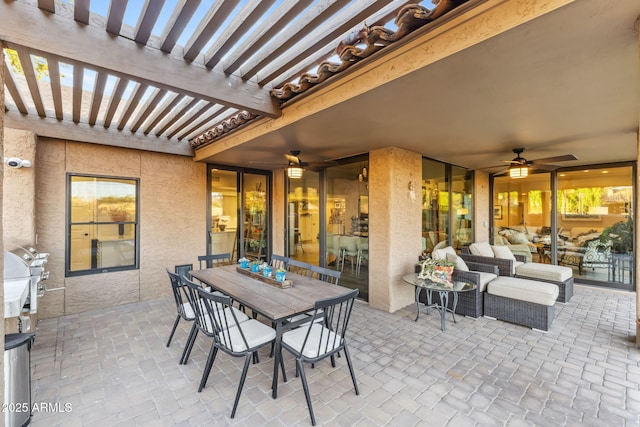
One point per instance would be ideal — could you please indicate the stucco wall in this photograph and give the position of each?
(19, 190)
(172, 222)
(396, 240)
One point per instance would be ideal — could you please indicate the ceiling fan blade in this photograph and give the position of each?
(295, 160)
(545, 166)
(565, 158)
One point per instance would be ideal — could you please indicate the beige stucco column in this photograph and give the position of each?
(395, 224)
(636, 229)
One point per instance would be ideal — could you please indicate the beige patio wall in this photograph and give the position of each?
(395, 220)
(172, 222)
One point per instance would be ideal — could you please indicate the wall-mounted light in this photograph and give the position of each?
(294, 172)
(16, 163)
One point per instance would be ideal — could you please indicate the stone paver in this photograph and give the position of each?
(111, 367)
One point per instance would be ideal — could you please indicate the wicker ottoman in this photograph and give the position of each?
(521, 301)
(556, 274)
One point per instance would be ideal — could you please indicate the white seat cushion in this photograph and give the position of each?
(314, 348)
(242, 317)
(255, 332)
(481, 248)
(485, 278)
(555, 273)
(525, 290)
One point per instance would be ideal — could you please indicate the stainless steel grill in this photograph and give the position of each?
(24, 276)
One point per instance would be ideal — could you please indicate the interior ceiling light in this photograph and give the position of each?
(294, 172)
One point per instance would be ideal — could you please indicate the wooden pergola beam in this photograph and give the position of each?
(96, 48)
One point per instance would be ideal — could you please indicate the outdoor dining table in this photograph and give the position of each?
(274, 303)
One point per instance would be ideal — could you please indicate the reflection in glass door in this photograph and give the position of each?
(595, 227)
(240, 230)
(303, 217)
(255, 218)
(223, 235)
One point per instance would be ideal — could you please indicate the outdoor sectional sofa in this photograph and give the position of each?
(515, 266)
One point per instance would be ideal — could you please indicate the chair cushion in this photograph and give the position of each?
(255, 332)
(460, 264)
(525, 290)
(503, 252)
(314, 348)
(242, 317)
(442, 253)
(481, 248)
(485, 278)
(555, 273)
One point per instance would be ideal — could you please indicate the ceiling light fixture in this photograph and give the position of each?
(294, 172)
(519, 171)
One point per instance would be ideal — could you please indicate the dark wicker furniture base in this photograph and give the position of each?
(565, 288)
(525, 313)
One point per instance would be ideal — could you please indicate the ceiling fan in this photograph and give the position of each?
(520, 166)
(297, 166)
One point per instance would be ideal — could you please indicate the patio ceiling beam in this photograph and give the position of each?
(148, 18)
(125, 58)
(13, 89)
(56, 89)
(82, 132)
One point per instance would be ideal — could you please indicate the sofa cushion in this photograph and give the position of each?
(485, 278)
(502, 252)
(555, 273)
(442, 253)
(524, 289)
(481, 248)
(460, 264)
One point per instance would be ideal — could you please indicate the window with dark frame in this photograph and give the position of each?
(102, 224)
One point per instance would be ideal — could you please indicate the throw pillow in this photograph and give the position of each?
(442, 253)
(518, 239)
(481, 248)
(460, 264)
(503, 252)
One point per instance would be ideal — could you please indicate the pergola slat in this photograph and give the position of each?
(98, 93)
(56, 91)
(48, 5)
(208, 27)
(81, 11)
(202, 124)
(151, 105)
(166, 109)
(116, 13)
(243, 21)
(177, 116)
(326, 41)
(190, 119)
(179, 19)
(32, 83)
(275, 22)
(148, 18)
(115, 101)
(313, 17)
(13, 90)
(124, 58)
(133, 103)
(78, 77)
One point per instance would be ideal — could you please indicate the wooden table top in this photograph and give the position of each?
(270, 301)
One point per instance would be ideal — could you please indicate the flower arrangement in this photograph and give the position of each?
(437, 270)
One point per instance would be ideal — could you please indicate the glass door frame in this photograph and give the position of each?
(241, 206)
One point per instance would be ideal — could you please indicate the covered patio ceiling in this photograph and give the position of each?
(563, 83)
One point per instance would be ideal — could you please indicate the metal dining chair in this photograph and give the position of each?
(299, 267)
(318, 340)
(196, 303)
(325, 274)
(183, 306)
(279, 261)
(217, 319)
(214, 260)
